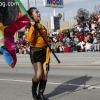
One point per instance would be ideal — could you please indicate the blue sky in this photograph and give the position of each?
(70, 7)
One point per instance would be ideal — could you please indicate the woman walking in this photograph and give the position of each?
(39, 54)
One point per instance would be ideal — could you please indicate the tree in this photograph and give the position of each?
(96, 9)
(60, 16)
(93, 14)
(82, 14)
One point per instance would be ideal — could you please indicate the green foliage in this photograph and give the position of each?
(82, 12)
(64, 31)
(60, 16)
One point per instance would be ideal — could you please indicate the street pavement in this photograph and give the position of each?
(77, 77)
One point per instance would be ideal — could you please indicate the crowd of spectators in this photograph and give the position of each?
(22, 46)
(83, 37)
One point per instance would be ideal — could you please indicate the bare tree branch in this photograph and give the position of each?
(96, 9)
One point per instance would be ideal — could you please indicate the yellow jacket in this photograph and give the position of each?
(35, 39)
(2, 27)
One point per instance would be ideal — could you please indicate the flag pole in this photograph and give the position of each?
(47, 43)
(22, 8)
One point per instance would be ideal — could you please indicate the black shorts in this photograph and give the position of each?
(37, 54)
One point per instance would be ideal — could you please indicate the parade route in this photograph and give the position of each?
(77, 77)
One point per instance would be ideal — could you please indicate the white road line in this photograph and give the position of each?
(12, 80)
(52, 83)
(96, 62)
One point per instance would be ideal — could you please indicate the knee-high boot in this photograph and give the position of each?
(42, 86)
(34, 90)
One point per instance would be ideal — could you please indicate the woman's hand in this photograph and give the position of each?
(32, 22)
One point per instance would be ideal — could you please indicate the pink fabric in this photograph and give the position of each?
(9, 35)
(2, 41)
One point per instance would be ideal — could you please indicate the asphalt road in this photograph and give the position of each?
(77, 77)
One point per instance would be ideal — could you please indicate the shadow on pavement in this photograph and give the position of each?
(66, 88)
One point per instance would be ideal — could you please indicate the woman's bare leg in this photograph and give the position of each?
(38, 69)
(45, 72)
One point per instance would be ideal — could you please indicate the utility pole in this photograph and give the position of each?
(63, 16)
(54, 11)
(34, 3)
(28, 4)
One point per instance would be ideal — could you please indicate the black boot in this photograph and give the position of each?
(42, 86)
(34, 90)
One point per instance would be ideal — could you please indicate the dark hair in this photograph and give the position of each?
(30, 11)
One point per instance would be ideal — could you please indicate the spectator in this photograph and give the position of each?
(89, 46)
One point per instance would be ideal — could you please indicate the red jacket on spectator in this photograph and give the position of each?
(81, 37)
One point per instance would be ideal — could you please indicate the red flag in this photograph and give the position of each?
(11, 16)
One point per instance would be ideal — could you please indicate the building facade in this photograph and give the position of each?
(47, 24)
